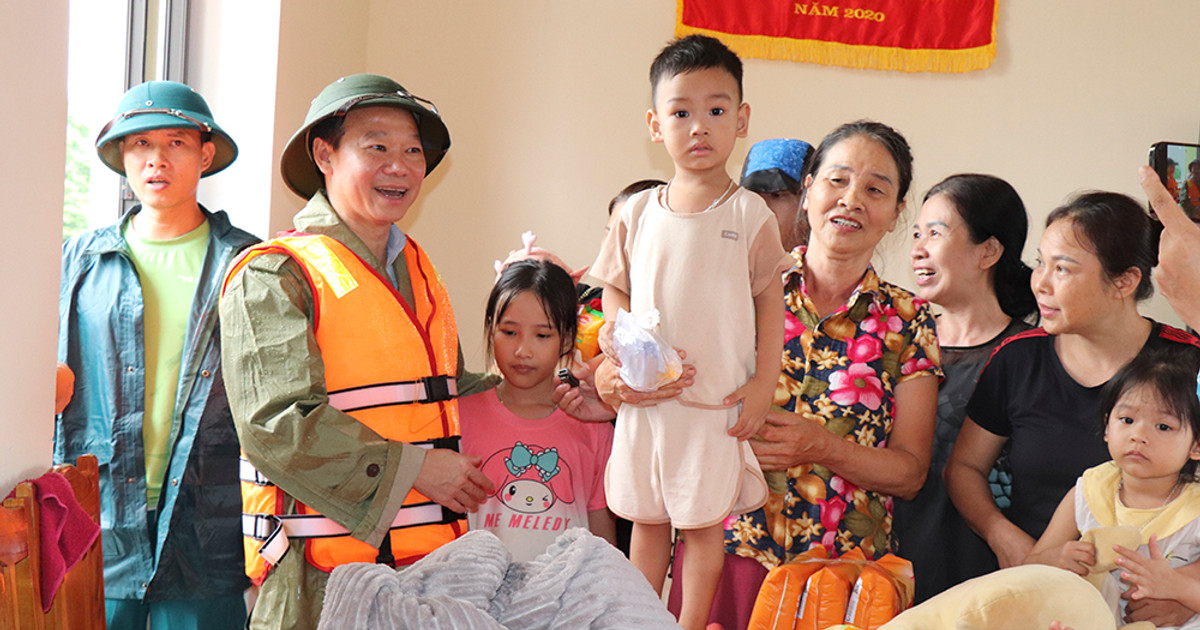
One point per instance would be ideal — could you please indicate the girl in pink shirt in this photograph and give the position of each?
(548, 468)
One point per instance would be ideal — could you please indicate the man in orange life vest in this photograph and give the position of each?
(342, 360)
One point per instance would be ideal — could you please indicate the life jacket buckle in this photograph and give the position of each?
(437, 388)
(260, 526)
(450, 442)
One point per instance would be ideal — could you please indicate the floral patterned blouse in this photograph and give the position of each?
(842, 372)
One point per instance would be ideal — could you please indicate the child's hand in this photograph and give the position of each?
(616, 392)
(1151, 577)
(1074, 556)
(755, 397)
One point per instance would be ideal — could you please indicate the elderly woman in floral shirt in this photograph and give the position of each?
(859, 377)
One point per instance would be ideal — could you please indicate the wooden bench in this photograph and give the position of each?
(79, 603)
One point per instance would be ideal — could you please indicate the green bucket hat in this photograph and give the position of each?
(162, 105)
(301, 173)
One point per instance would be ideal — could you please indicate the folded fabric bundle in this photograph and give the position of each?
(450, 588)
(579, 582)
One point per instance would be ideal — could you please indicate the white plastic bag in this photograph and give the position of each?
(647, 360)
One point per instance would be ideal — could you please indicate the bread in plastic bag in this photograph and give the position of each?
(647, 360)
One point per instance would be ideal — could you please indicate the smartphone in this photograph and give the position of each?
(1178, 167)
(567, 377)
(1173, 163)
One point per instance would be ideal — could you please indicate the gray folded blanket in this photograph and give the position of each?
(472, 583)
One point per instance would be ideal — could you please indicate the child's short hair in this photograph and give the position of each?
(631, 190)
(691, 53)
(553, 288)
(1172, 374)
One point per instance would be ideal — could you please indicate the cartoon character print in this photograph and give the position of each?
(530, 479)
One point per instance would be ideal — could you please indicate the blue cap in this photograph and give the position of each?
(776, 164)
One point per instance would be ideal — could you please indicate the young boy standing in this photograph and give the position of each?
(707, 255)
(138, 327)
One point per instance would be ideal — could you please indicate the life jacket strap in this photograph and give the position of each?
(276, 530)
(248, 473)
(429, 389)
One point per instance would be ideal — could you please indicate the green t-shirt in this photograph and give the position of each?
(169, 272)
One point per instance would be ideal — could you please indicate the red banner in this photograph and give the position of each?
(908, 35)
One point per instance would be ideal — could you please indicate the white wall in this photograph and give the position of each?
(258, 65)
(33, 122)
(232, 62)
(546, 102)
(319, 41)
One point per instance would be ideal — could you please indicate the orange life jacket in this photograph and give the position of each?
(388, 364)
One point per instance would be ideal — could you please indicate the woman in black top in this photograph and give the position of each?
(1040, 390)
(966, 255)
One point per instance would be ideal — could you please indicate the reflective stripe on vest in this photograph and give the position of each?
(426, 390)
(387, 364)
(276, 531)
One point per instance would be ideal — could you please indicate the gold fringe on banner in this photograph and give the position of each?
(849, 55)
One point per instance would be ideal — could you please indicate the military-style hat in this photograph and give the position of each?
(299, 170)
(163, 105)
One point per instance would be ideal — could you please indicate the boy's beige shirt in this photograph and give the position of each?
(707, 268)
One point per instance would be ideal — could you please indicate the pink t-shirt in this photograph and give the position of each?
(549, 473)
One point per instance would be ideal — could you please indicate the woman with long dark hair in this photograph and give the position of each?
(966, 256)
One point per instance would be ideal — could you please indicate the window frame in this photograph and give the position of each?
(163, 25)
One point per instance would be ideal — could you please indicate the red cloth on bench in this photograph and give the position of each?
(65, 533)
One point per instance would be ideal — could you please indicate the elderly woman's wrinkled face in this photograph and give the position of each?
(851, 200)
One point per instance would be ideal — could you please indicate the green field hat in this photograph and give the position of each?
(359, 90)
(162, 105)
